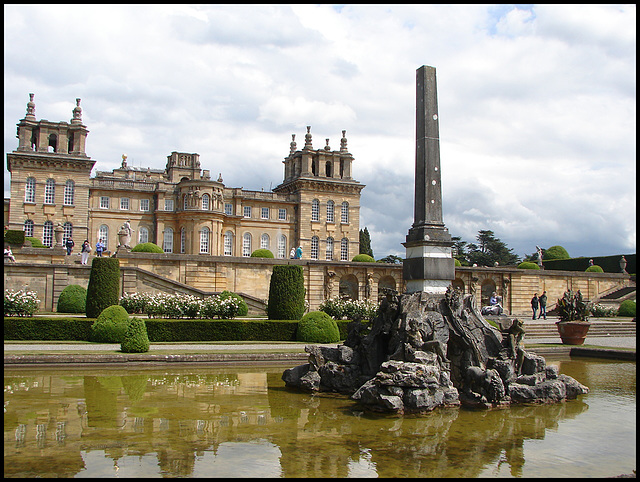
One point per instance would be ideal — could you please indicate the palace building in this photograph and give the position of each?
(180, 208)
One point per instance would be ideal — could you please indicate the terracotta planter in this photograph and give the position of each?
(573, 332)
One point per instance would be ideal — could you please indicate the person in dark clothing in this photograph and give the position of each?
(69, 244)
(535, 302)
(543, 305)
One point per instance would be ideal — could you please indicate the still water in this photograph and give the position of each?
(241, 421)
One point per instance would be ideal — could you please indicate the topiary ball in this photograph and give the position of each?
(594, 269)
(135, 338)
(317, 327)
(110, 326)
(528, 265)
(73, 299)
(627, 308)
(363, 258)
(147, 248)
(262, 253)
(555, 252)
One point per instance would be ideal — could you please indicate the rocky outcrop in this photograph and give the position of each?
(425, 351)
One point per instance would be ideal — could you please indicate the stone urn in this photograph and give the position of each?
(59, 233)
(573, 332)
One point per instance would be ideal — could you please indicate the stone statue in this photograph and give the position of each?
(328, 284)
(539, 251)
(124, 235)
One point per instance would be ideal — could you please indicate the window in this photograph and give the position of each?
(103, 235)
(69, 189)
(143, 235)
(168, 204)
(246, 244)
(228, 209)
(104, 202)
(205, 202)
(228, 243)
(204, 240)
(68, 232)
(185, 203)
(344, 213)
(264, 213)
(167, 242)
(314, 247)
(246, 211)
(282, 214)
(329, 252)
(315, 210)
(330, 211)
(344, 249)
(50, 192)
(47, 234)
(264, 241)
(124, 203)
(30, 190)
(282, 246)
(144, 204)
(183, 240)
(28, 228)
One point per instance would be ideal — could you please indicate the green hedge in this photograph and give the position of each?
(160, 330)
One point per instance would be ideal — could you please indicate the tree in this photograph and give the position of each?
(488, 251)
(365, 242)
(391, 258)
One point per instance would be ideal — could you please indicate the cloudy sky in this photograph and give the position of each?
(537, 104)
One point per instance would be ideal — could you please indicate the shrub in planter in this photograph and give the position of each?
(528, 265)
(110, 326)
(317, 327)
(262, 253)
(135, 338)
(147, 248)
(286, 293)
(73, 299)
(627, 308)
(594, 269)
(104, 285)
(363, 258)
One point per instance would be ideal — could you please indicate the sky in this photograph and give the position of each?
(537, 104)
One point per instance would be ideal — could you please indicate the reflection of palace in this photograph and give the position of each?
(178, 415)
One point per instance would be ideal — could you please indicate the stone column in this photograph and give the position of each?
(429, 264)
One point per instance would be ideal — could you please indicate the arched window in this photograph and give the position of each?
(282, 246)
(68, 232)
(69, 188)
(47, 233)
(315, 210)
(53, 143)
(329, 254)
(344, 213)
(344, 249)
(183, 240)
(246, 244)
(228, 243)
(30, 190)
(204, 240)
(167, 242)
(205, 202)
(314, 247)
(50, 192)
(264, 241)
(28, 228)
(330, 211)
(143, 235)
(103, 235)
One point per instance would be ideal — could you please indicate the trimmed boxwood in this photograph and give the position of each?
(47, 329)
(14, 236)
(35, 242)
(363, 258)
(104, 285)
(286, 293)
(262, 253)
(317, 327)
(73, 299)
(594, 269)
(528, 265)
(555, 252)
(147, 248)
(110, 326)
(135, 337)
(627, 308)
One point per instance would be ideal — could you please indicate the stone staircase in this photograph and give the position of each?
(608, 328)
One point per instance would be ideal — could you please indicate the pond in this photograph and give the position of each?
(241, 421)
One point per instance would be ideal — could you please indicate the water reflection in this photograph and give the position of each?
(243, 422)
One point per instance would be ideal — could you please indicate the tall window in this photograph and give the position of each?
(144, 204)
(167, 242)
(314, 247)
(103, 235)
(264, 213)
(68, 232)
(143, 235)
(246, 211)
(246, 244)
(50, 191)
(282, 246)
(329, 253)
(183, 240)
(228, 243)
(344, 249)
(104, 202)
(69, 190)
(282, 214)
(264, 241)
(315, 210)
(330, 211)
(344, 213)
(205, 202)
(228, 209)
(204, 240)
(124, 203)
(168, 204)
(28, 228)
(47, 234)
(30, 190)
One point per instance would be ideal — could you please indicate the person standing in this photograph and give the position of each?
(99, 248)
(299, 252)
(292, 253)
(543, 305)
(69, 244)
(86, 250)
(534, 304)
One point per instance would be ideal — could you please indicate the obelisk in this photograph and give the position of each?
(429, 265)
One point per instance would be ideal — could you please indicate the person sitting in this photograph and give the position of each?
(8, 254)
(496, 301)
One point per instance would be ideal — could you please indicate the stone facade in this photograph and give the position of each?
(181, 208)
